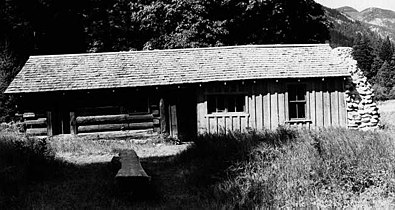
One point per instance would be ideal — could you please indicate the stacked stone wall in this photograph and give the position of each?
(362, 111)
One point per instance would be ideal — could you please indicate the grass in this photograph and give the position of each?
(328, 168)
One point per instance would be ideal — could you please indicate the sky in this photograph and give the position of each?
(359, 4)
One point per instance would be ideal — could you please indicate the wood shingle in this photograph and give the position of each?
(172, 67)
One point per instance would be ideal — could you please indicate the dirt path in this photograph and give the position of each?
(143, 151)
(387, 106)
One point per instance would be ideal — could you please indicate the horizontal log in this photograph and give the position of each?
(155, 112)
(88, 111)
(39, 121)
(29, 115)
(32, 115)
(36, 131)
(111, 119)
(114, 127)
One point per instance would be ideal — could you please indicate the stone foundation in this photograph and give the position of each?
(362, 111)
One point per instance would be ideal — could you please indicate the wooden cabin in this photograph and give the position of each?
(184, 92)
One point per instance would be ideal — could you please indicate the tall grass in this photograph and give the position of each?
(22, 160)
(328, 168)
(288, 169)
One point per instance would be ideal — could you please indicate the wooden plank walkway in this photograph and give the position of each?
(130, 167)
(131, 179)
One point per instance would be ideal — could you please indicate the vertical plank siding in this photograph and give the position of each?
(327, 104)
(259, 107)
(342, 104)
(266, 106)
(319, 105)
(281, 101)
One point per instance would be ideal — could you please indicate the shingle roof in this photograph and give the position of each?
(180, 66)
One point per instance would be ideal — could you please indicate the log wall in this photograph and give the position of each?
(35, 124)
(266, 105)
(101, 119)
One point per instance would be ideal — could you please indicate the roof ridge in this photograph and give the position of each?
(189, 49)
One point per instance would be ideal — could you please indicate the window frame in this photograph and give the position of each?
(132, 109)
(295, 102)
(226, 96)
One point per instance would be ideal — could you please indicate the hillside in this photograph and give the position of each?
(378, 20)
(343, 28)
(350, 12)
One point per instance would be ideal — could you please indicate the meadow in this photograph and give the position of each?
(285, 168)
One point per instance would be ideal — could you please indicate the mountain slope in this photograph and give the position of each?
(353, 13)
(343, 28)
(378, 20)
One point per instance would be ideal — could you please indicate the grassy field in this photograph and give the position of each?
(285, 168)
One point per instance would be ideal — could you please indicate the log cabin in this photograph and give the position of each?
(184, 92)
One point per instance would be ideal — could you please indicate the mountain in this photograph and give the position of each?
(353, 13)
(344, 28)
(381, 21)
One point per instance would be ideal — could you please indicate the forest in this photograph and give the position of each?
(37, 27)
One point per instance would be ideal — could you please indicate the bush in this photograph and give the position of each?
(288, 169)
(22, 160)
(380, 92)
(391, 94)
(212, 154)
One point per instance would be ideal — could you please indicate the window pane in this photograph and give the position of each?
(231, 104)
(301, 92)
(301, 110)
(223, 103)
(292, 89)
(297, 101)
(211, 104)
(240, 102)
(139, 105)
(220, 103)
(293, 110)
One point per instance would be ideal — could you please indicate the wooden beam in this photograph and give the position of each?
(37, 122)
(73, 123)
(37, 131)
(162, 113)
(109, 119)
(173, 120)
(114, 127)
(50, 131)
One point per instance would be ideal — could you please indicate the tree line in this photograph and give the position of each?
(377, 61)
(35, 27)
(375, 54)
(31, 27)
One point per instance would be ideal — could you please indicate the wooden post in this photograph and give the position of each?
(173, 120)
(49, 123)
(162, 112)
(73, 123)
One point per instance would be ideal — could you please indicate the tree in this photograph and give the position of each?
(386, 75)
(163, 24)
(363, 54)
(75, 26)
(386, 50)
(375, 67)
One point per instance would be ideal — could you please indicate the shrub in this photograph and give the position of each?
(288, 169)
(22, 160)
(391, 94)
(380, 92)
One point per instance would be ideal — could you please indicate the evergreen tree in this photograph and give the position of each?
(375, 67)
(363, 53)
(386, 50)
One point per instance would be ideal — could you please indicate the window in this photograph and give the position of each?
(297, 101)
(225, 103)
(139, 104)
